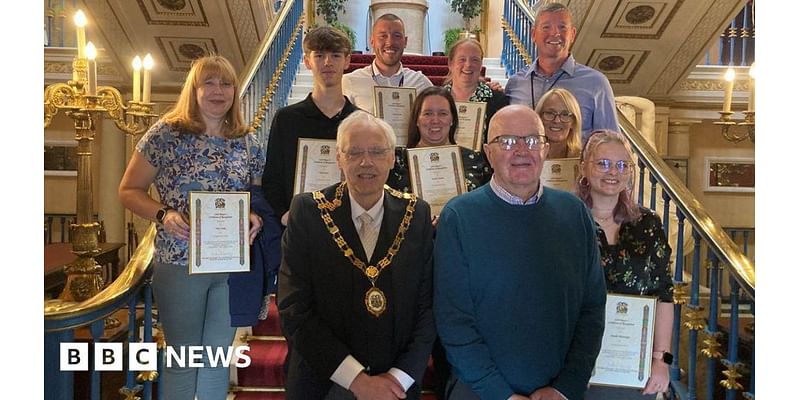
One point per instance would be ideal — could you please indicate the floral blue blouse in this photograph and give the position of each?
(639, 263)
(196, 162)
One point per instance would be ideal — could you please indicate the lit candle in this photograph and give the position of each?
(80, 22)
(137, 66)
(148, 65)
(730, 76)
(91, 54)
(751, 104)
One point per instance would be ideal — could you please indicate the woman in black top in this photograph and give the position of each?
(634, 251)
(434, 122)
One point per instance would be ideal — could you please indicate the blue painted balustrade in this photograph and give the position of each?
(736, 45)
(267, 79)
(131, 290)
(700, 328)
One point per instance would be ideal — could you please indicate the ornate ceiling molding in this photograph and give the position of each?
(243, 20)
(173, 12)
(640, 20)
(718, 14)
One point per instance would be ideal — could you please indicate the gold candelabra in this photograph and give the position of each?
(83, 101)
(732, 130)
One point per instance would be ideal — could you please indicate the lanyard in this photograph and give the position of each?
(402, 77)
(533, 93)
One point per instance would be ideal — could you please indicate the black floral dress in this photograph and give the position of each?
(639, 263)
(476, 170)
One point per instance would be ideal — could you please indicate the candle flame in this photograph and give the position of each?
(753, 71)
(137, 63)
(148, 62)
(80, 19)
(91, 51)
(730, 75)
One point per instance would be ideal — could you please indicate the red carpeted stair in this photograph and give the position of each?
(264, 378)
(434, 67)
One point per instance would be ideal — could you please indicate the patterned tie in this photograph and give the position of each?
(367, 233)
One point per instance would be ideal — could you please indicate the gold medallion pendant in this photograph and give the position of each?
(375, 301)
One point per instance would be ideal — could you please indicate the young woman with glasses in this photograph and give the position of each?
(634, 252)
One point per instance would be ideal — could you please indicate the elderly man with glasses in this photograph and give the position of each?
(519, 292)
(354, 292)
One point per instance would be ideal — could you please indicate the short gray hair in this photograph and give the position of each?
(362, 117)
(550, 8)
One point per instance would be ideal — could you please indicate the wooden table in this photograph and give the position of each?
(58, 255)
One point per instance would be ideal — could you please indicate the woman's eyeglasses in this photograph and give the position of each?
(604, 165)
(507, 142)
(564, 116)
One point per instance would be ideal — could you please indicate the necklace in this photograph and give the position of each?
(374, 300)
(602, 219)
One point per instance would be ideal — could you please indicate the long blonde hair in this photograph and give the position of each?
(186, 112)
(574, 136)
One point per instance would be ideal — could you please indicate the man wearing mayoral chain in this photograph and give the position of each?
(354, 290)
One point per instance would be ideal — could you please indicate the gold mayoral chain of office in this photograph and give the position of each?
(374, 300)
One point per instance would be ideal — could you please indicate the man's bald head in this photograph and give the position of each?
(516, 119)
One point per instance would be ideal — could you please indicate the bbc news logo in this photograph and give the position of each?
(144, 356)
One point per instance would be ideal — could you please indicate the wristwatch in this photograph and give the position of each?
(160, 214)
(664, 356)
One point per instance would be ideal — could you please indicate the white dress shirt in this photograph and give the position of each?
(357, 85)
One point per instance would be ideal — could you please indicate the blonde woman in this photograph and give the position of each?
(561, 116)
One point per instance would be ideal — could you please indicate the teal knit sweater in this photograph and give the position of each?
(519, 293)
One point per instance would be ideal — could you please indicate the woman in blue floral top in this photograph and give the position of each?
(199, 145)
(634, 251)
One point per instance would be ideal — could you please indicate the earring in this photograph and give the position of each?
(583, 181)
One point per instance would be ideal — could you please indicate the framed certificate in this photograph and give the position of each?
(393, 105)
(219, 232)
(470, 124)
(626, 355)
(316, 166)
(436, 174)
(561, 173)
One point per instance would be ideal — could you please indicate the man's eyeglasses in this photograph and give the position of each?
(507, 142)
(564, 116)
(604, 165)
(357, 154)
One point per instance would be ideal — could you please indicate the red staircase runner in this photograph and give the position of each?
(268, 354)
(434, 67)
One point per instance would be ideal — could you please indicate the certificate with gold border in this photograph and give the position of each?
(393, 105)
(561, 173)
(470, 124)
(316, 166)
(436, 174)
(626, 355)
(219, 232)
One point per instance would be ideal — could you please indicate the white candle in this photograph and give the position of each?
(148, 65)
(751, 104)
(80, 22)
(137, 66)
(730, 76)
(91, 54)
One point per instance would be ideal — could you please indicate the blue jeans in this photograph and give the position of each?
(193, 311)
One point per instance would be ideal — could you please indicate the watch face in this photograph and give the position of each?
(667, 358)
(160, 215)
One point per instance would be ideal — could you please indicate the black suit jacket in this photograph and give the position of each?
(321, 296)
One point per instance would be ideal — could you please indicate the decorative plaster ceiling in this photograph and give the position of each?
(647, 48)
(175, 32)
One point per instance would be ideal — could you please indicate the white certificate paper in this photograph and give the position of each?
(436, 174)
(219, 232)
(561, 173)
(316, 166)
(626, 354)
(393, 105)
(470, 124)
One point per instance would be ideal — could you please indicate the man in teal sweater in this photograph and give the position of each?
(519, 292)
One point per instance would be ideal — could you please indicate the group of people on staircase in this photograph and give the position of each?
(506, 287)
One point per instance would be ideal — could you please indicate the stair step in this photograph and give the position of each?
(266, 368)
